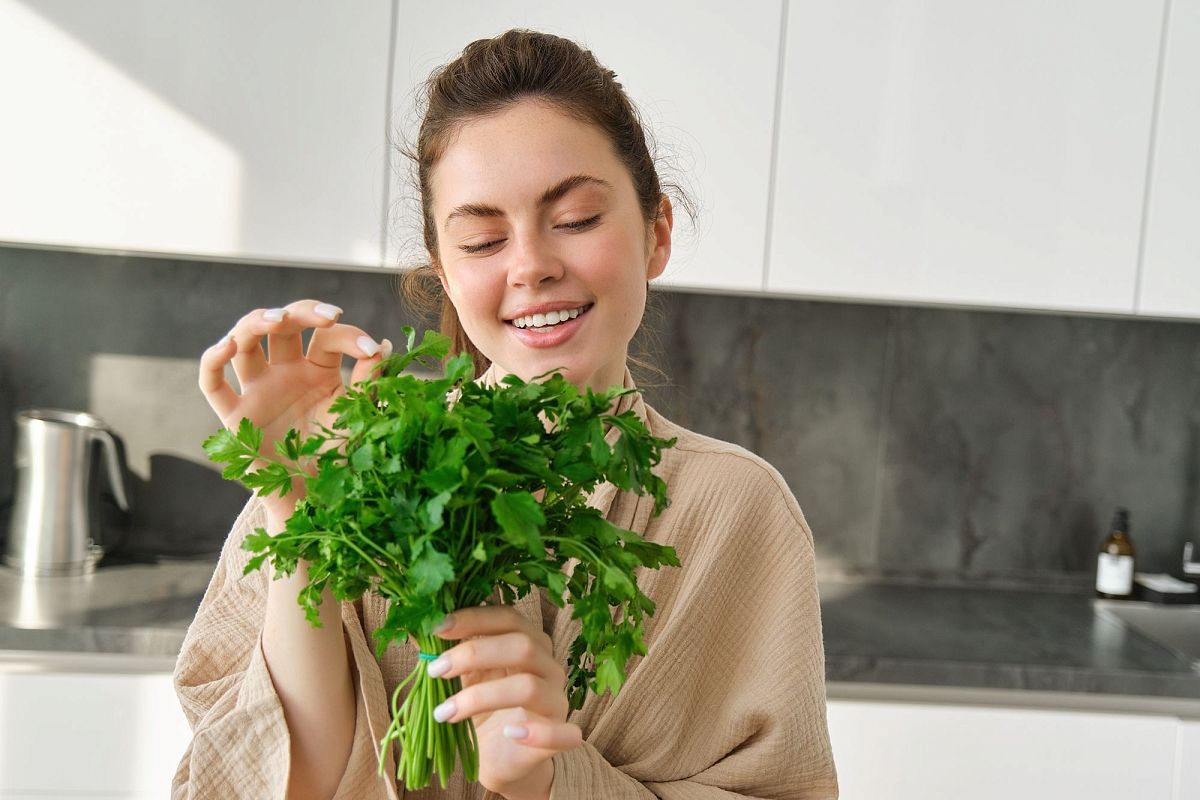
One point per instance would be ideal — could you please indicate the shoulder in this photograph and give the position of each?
(700, 467)
(719, 459)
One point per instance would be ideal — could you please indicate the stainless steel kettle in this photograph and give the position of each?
(51, 528)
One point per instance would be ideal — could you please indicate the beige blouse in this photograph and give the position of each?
(729, 700)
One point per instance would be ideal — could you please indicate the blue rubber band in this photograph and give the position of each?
(426, 656)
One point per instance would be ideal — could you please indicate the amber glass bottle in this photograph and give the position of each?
(1114, 565)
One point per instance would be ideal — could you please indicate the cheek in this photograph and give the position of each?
(473, 298)
(613, 263)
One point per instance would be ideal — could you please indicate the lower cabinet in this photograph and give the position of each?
(68, 736)
(79, 735)
(898, 751)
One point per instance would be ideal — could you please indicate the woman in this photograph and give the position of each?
(544, 221)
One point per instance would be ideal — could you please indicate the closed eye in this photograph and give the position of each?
(478, 248)
(582, 224)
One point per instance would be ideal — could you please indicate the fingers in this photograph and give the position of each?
(284, 341)
(364, 367)
(249, 360)
(283, 328)
(556, 736)
(487, 620)
(515, 651)
(329, 345)
(522, 690)
(217, 391)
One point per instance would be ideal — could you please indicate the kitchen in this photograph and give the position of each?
(942, 277)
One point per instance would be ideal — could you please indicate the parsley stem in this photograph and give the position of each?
(384, 576)
(428, 746)
(576, 543)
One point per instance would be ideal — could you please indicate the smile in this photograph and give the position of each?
(549, 319)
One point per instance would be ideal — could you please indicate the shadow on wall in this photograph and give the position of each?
(182, 511)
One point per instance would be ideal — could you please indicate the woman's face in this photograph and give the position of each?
(543, 248)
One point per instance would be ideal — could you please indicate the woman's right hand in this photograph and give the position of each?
(287, 388)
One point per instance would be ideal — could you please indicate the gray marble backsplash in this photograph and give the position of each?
(921, 442)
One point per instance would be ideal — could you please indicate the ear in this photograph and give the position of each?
(660, 240)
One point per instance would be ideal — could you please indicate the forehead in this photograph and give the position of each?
(510, 159)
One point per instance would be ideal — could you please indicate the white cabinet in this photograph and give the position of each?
(703, 76)
(1170, 280)
(972, 153)
(82, 735)
(898, 751)
(1187, 770)
(252, 131)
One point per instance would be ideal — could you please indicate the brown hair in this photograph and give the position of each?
(491, 75)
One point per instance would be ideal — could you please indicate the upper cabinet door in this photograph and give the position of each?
(703, 77)
(1171, 267)
(972, 153)
(221, 128)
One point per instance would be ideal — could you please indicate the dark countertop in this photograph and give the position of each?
(876, 633)
(987, 638)
(131, 616)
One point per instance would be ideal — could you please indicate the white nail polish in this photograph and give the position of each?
(367, 345)
(438, 666)
(327, 311)
(445, 711)
(515, 731)
(274, 314)
(387, 347)
(224, 341)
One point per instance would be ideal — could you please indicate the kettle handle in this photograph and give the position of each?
(115, 478)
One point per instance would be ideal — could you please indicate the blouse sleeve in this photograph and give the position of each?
(240, 744)
(729, 701)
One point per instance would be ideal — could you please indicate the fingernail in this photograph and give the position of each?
(446, 624)
(438, 666)
(224, 341)
(274, 314)
(445, 711)
(367, 345)
(515, 731)
(326, 310)
(387, 347)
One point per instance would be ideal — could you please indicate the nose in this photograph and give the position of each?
(534, 261)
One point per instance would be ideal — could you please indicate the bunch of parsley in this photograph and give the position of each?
(437, 493)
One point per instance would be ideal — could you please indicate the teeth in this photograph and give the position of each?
(549, 319)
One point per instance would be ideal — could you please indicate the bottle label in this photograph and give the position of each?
(1114, 574)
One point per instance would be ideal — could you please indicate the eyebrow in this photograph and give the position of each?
(555, 192)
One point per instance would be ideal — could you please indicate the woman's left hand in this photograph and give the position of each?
(511, 681)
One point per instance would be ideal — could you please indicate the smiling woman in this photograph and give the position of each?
(540, 216)
(596, 178)
(544, 221)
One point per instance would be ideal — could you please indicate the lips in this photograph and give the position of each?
(550, 317)
(545, 308)
(550, 335)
